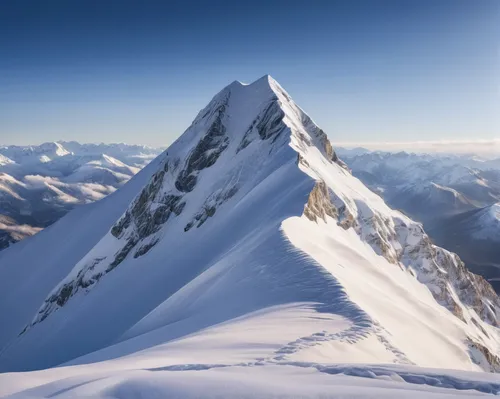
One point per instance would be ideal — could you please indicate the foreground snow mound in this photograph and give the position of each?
(220, 362)
(251, 246)
(245, 358)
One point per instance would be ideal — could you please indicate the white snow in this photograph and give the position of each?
(258, 301)
(487, 223)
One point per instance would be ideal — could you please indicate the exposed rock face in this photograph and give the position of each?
(482, 355)
(404, 243)
(206, 153)
(448, 278)
(162, 199)
(271, 122)
(149, 212)
(319, 204)
(147, 220)
(322, 141)
(267, 125)
(210, 206)
(60, 297)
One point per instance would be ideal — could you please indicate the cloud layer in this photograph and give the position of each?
(485, 148)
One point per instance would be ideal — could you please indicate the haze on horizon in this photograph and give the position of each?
(138, 72)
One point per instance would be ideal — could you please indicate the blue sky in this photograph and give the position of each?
(139, 71)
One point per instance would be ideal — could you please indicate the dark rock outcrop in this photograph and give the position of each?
(210, 206)
(267, 125)
(206, 152)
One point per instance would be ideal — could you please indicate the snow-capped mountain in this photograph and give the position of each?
(427, 186)
(26, 154)
(133, 155)
(453, 195)
(5, 161)
(246, 249)
(39, 184)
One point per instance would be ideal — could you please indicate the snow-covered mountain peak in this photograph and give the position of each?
(28, 154)
(264, 81)
(53, 148)
(250, 210)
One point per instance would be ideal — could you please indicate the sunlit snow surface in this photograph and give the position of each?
(246, 358)
(258, 301)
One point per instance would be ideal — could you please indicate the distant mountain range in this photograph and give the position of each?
(39, 184)
(455, 196)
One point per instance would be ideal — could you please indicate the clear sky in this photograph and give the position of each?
(139, 71)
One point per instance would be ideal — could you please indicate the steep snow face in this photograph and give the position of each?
(251, 222)
(450, 195)
(30, 269)
(195, 183)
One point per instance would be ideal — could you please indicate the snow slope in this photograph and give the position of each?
(454, 196)
(31, 268)
(250, 258)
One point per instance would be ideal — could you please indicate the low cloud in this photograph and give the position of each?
(485, 148)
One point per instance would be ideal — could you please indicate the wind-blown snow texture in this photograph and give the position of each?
(251, 263)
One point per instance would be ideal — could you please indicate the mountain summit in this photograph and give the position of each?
(250, 236)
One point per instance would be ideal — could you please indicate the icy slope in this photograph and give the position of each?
(250, 213)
